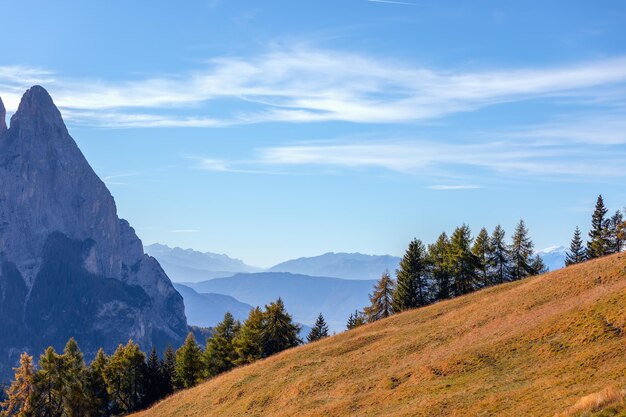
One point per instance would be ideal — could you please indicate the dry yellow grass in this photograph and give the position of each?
(530, 348)
(608, 402)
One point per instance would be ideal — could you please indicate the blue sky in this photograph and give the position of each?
(277, 129)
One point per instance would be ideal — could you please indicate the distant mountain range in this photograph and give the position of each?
(206, 310)
(553, 257)
(188, 265)
(341, 265)
(304, 296)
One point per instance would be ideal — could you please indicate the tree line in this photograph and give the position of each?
(63, 385)
(461, 264)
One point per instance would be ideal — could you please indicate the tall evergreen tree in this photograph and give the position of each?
(220, 354)
(576, 252)
(538, 266)
(500, 257)
(168, 370)
(598, 244)
(47, 396)
(439, 265)
(125, 377)
(74, 372)
(319, 331)
(155, 389)
(18, 401)
(280, 331)
(411, 279)
(249, 342)
(355, 320)
(616, 241)
(96, 387)
(620, 234)
(189, 365)
(463, 263)
(482, 251)
(521, 253)
(381, 300)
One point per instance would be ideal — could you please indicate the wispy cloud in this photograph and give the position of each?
(304, 84)
(404, 3)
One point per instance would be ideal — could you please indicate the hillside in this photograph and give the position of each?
(206, 310)
(529, 348)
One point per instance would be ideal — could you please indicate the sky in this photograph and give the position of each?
(270, 130)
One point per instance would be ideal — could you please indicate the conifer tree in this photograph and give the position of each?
(74, 370)
(125, 377)
(220, 354)
(355, 320)
(189, 365)
(381, 300)
(521, 253)
(500, 257)
(620, 234)
(411, 280)
(168, 370)
(463, 263)
(154, 378)
(18, 401)
(616, 240)
(280, 332)
(47, 396)
(538, 266)
(598, 244)
(576, 252)
(319, 331)
(439, 263)
(249, 342)
(96, 387)
(482, 252)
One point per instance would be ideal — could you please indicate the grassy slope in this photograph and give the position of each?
(530, 348)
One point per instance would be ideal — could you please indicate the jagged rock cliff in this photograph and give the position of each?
(68, 265)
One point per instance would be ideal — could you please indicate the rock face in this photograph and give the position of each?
(3, 118)
(68, 265)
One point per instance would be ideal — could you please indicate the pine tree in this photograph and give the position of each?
(47, 396)
(154, 379)
(168, 369)
(616, 240)
(411, 281)
(620, 234)
(538, 266)
(463, 263)
(74, 370)
(598, 245)
(249, 342)
(280, 332)
(482, 251)
(220, 354)
(96, 387)
(521, 253)
(438, 261)
(319, 331)
(576, 252)
(500, 257)
(355, 320)
(381, 300)
(189, 365)
(18, 402)
(125, 377)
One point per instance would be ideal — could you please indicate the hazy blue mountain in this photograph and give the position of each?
(188, 265)
(553, 257)
(69, 266)
(304, 296)
(340, 265)
(206, 310)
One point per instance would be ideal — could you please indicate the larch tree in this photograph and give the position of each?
(220, 354)
(48, 390)
(96, 387)
(439, 268)
(500, 257)
(411, 279)
(74, 370)
(18, 401)
(521, 251)
(125, 376)
(463, 263)
(381, 300)
(189, 364)
(616, 240)
(319, 330)
(576, 253)
(482, 251)
(280, 332)
(598, 244)
(249, 342)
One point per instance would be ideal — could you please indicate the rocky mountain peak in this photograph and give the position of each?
(3, 118)
(37, 113)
